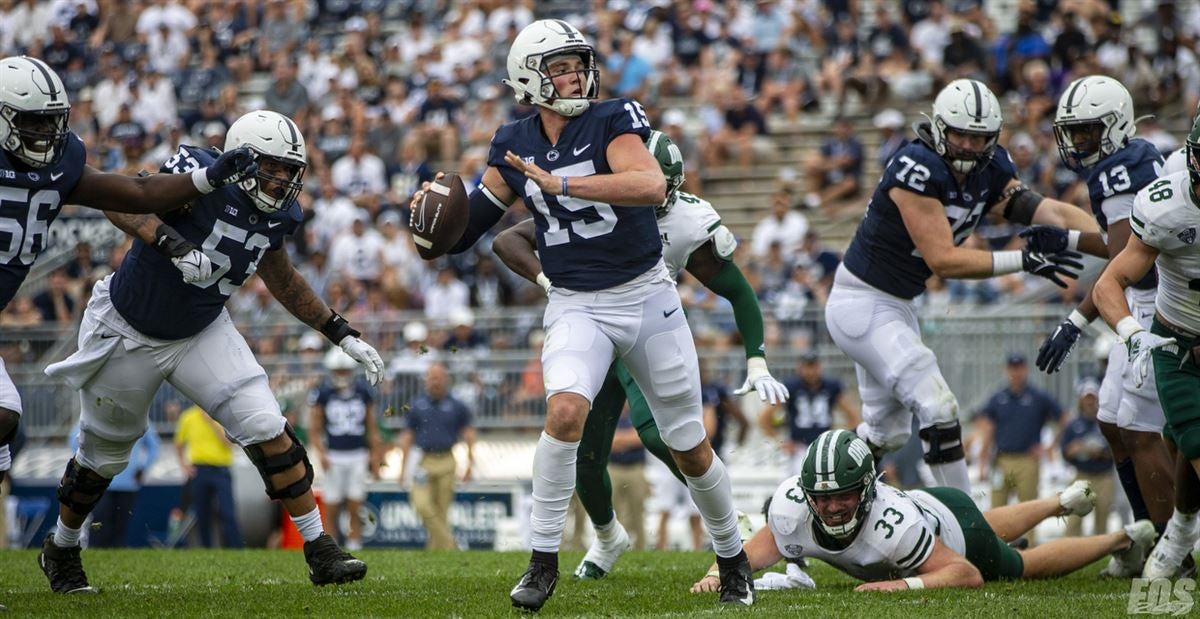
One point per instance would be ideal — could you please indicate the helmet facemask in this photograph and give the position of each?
(1095, 144)
(36, 138)
(865, 493)
(276, 184)
(588, 74)
(838, 463)
(961, 159)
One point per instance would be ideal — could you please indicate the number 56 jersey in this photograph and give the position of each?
(882, 253)
(148, 290)
(583, 245)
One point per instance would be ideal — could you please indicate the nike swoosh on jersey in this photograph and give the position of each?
(667, 314)
(54, 177)
(581, 149)
(273, 224)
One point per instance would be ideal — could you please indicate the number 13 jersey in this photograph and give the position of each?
(583, 245)
(882, 252)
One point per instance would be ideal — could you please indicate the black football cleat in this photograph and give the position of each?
(63, 568)
(330, 565)
(737, 583)
(536, 586)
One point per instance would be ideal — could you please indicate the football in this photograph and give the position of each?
(439, 220)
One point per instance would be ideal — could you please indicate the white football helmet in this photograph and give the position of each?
(282, 157)
(33, 111)
(966, 106)
(1103, 109)
(529, 57)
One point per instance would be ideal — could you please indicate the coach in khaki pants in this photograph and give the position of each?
(627, 471)
(436, 422)
(1084, 447)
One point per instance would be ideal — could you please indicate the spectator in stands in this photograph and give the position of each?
(815, 397)
(823, 263)
(463, 337)
(742, 133)
(1031, 164)
(489, 288)
(890, 123)
(410, 170)
(840, 61)
(930, 36)
(130, 135)
(447, 294)
(1038, 100)
(964, 55)
(206, 457)
(1084, 447)
(630, 72)
(785, 85)
(358, 253)
(1015, 49)
(436, 423)
(834, 171)
(1012, 422)
(359, 172)
(438, 119)
(719, 410)
(784, 226)
(110, 518)
(56, 303)
(286, 95)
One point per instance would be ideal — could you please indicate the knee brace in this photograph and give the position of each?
(945, 443)
(269, 466)
(81, 488)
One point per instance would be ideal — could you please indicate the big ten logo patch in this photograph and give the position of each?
(1161, 596)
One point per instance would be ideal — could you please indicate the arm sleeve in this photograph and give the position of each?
(485, 211)
(731, 284)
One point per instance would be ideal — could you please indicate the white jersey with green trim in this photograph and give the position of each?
(1176, 162)
(895, 538)
(1167, 218)
(688, 224)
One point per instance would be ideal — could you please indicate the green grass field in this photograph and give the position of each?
(476, 584)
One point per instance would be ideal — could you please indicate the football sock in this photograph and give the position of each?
(1182, 528)
(309, 525)
(594, 488)
(953, 474)
(549, 559)
(64, 536)
(1129, 482)
(606, 532)
(553, 483)
(712, 493)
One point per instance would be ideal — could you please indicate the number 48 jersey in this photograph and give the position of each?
(148, 290)
(1166, 218)
(882, 253)
(583, 245)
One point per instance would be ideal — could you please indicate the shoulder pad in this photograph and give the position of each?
(1158, 222)
(916, 168)
(788, 509)
(724, 243)
(500, 143)
(622, 115)
(1003, 162)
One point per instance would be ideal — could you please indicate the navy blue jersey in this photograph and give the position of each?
(716, 395)
(810, 410)
(583, 245)
(149, 291)
(882, 253)
(1124, 172)
(30, 200)
(345, 414)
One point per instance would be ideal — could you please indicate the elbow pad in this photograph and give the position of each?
(1022, 203)
(485, 209)
(724, 243)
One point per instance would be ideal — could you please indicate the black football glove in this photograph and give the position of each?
(231, 167)
(1057, 347)
(1045, 239)
(1051, 266)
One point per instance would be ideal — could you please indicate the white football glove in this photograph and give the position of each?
(365, 355)
(194, 265)
(759, 379)
(1140, 344)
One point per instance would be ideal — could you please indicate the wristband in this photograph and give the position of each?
(1073, 239)
(1005, 262)
(200, 180)
(564, 189)
(914, 582)
(713, 574)
(1127, 327)
(337, 329)
(543, 281)
(1078, 319)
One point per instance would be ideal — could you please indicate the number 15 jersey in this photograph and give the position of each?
(882, 252)
(583, 245)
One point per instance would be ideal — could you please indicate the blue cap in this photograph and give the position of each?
(1016, 358)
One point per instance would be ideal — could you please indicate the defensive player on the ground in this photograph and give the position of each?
(837, 511)
(932, 194)
(1094, 126)
(584, 172)
(693, 239)
(145, 323)
(43, 166)
(1164, 222)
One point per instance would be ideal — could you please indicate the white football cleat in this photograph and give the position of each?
(601, 557)
(1078, 498)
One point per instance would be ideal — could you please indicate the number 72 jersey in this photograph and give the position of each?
(1166, 218)
(882, 252)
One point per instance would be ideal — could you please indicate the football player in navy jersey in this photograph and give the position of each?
(810, 410)
(583, 170)
(346, 439)
(932, 195)
(1094, 126)
(43, 166)
(145, 323)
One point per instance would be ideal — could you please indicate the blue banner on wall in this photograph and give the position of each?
(392, 522)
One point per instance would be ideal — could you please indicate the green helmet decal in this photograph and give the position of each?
(1192, 154)
(838, 461)
(671, 161)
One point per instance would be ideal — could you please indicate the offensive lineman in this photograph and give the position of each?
(932, 194)
(585, 173)
(43, 166)
(693, 238)
(144, 323)
(837, 511)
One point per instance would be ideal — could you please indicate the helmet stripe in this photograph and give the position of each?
(295, 143)
(568, 29)
(654, 135)
(831, 455)
(978, 101)
(41, 66)
(1071, 94)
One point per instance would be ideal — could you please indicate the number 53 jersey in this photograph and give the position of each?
(583, 245)
(895, 537)
(148, 290)
(882, 253)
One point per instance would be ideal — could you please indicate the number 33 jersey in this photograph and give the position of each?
(583, 245)
(882, 253)
(149, 291)
(30, 200)
(1166, 218)
(896, 535)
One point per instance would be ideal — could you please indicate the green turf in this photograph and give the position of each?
(476, 584)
